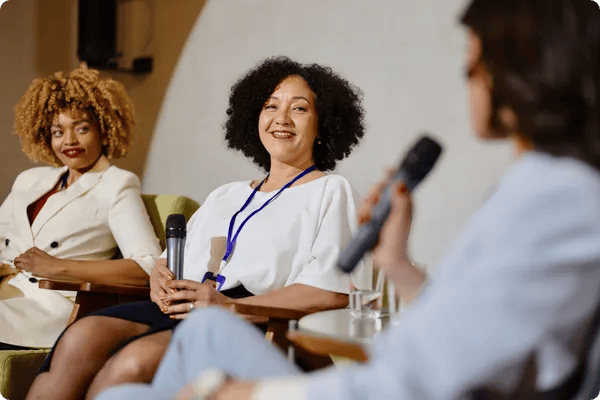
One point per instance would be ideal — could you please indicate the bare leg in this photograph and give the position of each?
(79, 355)
(136, 362)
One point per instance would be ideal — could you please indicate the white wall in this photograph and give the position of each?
(406, 55)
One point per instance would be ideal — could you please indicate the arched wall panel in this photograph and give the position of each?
(406, 56)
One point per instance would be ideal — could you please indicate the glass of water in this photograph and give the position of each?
(365, 303)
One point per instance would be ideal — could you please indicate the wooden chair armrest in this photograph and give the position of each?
(327, 346)
(126, 290)
(95, 296)
(277, 313)
(58, 285)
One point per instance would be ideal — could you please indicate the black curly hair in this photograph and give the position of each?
(338, 104)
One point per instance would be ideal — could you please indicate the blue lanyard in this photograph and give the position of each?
(231, 240)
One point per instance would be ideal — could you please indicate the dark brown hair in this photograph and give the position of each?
(544, 59)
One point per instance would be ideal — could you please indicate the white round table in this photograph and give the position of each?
(340, 325)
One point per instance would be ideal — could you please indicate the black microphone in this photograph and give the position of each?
(175, 232)
(416, 165)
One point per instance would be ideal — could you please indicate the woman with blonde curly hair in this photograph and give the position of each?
(69, 219)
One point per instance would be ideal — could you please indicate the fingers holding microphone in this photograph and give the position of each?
(392, 247)
(190, 295)
(414, 167)
(365, 213)
(160, 277)
(391, 252)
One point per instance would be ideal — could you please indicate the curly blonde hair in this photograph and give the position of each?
(103, 99)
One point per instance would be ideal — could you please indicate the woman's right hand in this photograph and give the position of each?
(160, 277)
(391, 251)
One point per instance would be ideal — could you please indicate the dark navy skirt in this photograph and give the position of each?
(6, 346)
(143, 312)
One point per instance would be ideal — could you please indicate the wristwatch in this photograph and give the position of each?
(207, 383)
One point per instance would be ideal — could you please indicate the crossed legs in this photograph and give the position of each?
(83, 358)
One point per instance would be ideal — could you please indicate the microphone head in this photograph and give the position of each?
(175, 226)
(419, 160)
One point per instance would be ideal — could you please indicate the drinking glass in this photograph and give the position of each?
(365, 303)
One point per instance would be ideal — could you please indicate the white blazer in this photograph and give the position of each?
(98, 215)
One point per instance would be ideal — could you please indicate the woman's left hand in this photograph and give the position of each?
(38, 262)
(190, 295)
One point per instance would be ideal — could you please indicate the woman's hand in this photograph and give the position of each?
(191, 294)
(391, 252)
(231, 389)
(392, 249)
(6, 269)
(160, 277)
(39, 263)
(235, 390)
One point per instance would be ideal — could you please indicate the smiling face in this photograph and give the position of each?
(288, 123)
(76, 140)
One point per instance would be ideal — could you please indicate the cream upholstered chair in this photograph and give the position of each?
(18, 367)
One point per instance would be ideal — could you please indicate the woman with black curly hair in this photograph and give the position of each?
(272, 241)
(68, 220)
(336, 103)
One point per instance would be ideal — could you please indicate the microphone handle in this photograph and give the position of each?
(175, 248)
(368, 234)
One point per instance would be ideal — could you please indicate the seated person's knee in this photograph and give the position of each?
(130, 365)
(78, 336)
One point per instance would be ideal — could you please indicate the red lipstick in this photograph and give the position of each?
(72, 153)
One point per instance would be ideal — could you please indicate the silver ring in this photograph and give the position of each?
(192, 306)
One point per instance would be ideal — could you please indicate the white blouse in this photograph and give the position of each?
(295, 239)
